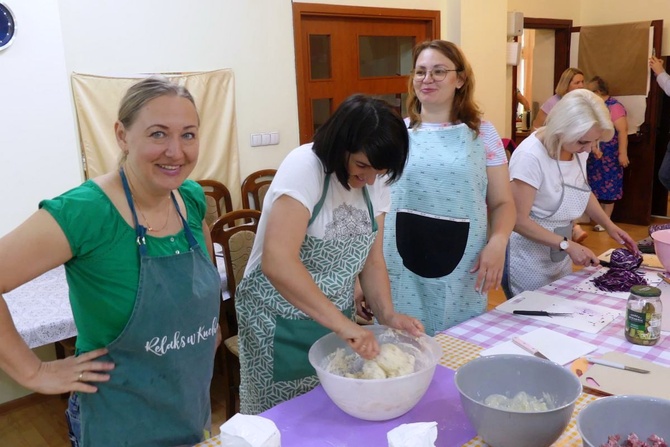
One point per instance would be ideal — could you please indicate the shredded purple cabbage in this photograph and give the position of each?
(619, 280)
(622, 258)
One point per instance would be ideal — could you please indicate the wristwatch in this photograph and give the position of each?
(564, 244)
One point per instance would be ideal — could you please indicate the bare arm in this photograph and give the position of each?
(285, 232)
(35, 247)
(621, 125)
(539, 119)
(502, 212)
(595, 212)
(377, 289)
(524, 197)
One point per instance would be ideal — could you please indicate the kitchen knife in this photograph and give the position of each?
(541, 313)
(616, 365)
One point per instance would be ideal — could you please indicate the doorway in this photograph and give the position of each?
(342, 50)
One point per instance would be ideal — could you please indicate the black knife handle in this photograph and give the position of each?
(539, 313)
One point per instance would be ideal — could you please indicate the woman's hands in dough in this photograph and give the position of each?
(404, 323)
(362, 341)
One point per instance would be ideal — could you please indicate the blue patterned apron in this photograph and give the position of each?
(437, 227)
(158, 392)
(274, 335)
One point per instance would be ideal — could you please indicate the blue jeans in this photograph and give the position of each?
(73, 419)
(664, 170)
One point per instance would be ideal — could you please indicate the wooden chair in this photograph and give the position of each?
(235, 231)
(218, 199)
(254, 188)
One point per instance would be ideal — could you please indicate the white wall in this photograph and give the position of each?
(38, 141)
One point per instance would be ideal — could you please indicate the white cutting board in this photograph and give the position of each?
(585, 317)
(587, 285)
(559, 348)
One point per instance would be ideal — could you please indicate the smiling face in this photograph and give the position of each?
(429, 91)
(360, 170)
(161, 144)
(585, 144)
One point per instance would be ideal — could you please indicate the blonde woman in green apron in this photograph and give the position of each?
(143, 289)
(321, 228)
(550, 190)
(441, 261)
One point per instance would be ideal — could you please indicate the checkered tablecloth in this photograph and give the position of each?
(496, 326)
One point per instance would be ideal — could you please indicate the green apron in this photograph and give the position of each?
(274, 335)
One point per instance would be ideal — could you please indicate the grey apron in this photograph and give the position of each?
(531, 265)
(274, 335)
(158, 394)
(437, 228)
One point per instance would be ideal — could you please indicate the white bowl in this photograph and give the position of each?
(508, 375)
(376, 399)
(622, 415)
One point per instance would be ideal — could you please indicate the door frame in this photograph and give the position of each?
(302, 11)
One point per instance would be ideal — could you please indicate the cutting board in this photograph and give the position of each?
(650, 261)
(618, 382)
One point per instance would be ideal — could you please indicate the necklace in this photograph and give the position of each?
(137, 205)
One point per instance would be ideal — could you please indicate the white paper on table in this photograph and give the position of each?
(588, 286)
(558, 347)
(585, 317)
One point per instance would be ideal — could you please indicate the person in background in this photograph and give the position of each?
(571, 79)
(522, 100)
(605, 165)
(442, 254)
(663, 80)
(322, 227)
(134, 244)
(550, 190)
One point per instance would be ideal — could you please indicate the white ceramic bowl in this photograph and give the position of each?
(661, 240)
(376, 399)
(508, 375)
(622, 415)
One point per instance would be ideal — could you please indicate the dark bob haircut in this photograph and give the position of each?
(363, 124)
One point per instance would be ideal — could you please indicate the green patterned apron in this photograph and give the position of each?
(274, 335)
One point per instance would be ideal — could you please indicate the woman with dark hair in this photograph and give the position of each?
(441, 260)
(317, 233)
(605, 165)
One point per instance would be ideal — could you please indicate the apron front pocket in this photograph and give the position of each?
(292, 340)
(430, 246)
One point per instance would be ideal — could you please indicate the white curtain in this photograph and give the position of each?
(97, 101)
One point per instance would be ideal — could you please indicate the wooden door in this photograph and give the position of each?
(345, 50)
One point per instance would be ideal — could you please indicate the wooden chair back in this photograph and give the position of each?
(219, 201)
(254, 188)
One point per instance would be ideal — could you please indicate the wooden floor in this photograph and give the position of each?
(38, 421)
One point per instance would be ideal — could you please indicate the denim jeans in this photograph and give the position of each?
(664, 170)
(73, 419)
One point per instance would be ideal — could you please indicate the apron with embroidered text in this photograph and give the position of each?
(158, 392)
(532, 265)
(274, 335)
(437, 227)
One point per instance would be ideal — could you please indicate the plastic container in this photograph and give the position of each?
(376, 399)
(644, 310)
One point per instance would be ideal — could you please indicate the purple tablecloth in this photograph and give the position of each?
(314, 420)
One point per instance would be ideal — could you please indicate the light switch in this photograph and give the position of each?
(274, 137)
(256, 139)
(265, 139)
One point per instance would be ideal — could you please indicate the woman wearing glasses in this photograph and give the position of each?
(441, 263)
(548, 174)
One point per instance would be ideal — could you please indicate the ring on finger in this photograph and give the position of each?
(81, 375)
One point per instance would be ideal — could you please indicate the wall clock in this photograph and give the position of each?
(7, 26)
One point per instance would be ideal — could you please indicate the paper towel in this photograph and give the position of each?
(418, 434)
(249, 431)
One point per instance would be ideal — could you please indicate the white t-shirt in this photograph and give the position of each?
(531, 164)
(343, 213)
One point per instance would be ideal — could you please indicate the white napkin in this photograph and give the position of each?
(418, 434)
(249, 431)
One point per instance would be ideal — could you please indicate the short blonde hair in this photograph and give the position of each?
(572, 117)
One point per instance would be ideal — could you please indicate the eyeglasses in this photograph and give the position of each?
(438, 74)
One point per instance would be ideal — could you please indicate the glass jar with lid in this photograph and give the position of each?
(643, 315)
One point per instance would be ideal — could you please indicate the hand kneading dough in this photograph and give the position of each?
(391, 362)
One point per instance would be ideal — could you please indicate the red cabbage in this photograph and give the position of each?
(622, 258)
(619, 280)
